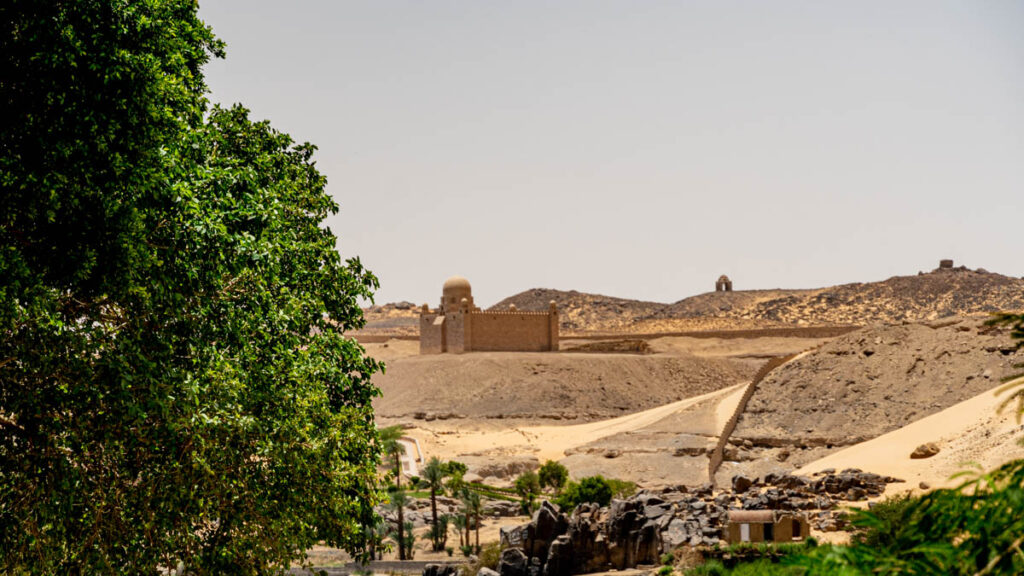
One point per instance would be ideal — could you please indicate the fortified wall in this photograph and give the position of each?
(458, 325)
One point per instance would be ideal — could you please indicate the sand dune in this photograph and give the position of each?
(551, 442)
(969, 432)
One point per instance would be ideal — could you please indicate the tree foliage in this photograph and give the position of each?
(433, 476)
(174, 380)
(527, 487)
(976, 528)
(592, 489)
(553, 475)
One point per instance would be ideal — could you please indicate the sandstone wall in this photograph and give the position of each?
(519, 331)
(432, 334)
(459, 332)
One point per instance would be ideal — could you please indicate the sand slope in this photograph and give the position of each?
(970, 431)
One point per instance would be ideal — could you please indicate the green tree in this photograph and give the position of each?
(390, 445)
(439, 536)
(528, 487)
(433, 476)
(461, 524)
(474, 509)
(553, 475)
(175, 385)
(398, 501)
(592, 489)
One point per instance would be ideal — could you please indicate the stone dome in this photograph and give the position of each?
(456, 283)
(455, 289)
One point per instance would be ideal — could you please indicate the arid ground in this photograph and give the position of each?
(641, 391)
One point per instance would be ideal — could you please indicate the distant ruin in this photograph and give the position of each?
(458, 326)
(948, 264)
(723, 284)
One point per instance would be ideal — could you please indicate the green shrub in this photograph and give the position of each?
(667, 559)
(665, 570)
(879, 525)
(553, 475)
(621, 488)
(593, 489)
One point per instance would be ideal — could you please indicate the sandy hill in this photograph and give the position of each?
(926, 296)
(873, 381)
(578, 387)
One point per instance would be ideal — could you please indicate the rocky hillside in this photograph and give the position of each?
(927, 296)
(876, 380)
(582, 312)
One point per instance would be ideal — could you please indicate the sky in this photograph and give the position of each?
(640, 149)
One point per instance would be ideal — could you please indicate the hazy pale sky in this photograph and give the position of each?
(641, 149)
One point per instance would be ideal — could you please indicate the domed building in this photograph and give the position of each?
(458, 325)
(723, 284)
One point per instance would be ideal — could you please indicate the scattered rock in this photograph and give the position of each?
(925, 451)
(440, 570)
(741, 484)
(513, 563)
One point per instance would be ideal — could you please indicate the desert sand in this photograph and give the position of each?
(970, 434)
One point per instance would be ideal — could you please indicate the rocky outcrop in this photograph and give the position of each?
(638, 530)
(925, 451)
(440, 570)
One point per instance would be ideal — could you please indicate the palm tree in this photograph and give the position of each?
(390, 445)
(474, 509)
(461, 524)
(433, 476)
(375, 534)
(398, 502)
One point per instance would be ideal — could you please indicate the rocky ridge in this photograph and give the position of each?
(927, 296)
(875, 380)
(637, 530)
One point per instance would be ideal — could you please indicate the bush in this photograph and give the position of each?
(756, 568)
(553, 475)
(593, 489)
(665, 570)
(488, 557)
(879, 525)
(621, 488)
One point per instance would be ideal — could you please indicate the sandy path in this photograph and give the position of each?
(551, 442)
(970, 431)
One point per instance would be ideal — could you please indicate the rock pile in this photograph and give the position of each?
(637, 530)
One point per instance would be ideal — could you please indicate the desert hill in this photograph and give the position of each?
(876, 380)
(581, 312)
(926, 296)
(578, 387)
(866, 384)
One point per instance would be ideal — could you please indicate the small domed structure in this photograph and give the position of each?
(455, 290)
(723, 284)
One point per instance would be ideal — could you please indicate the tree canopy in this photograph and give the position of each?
(175, 385)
